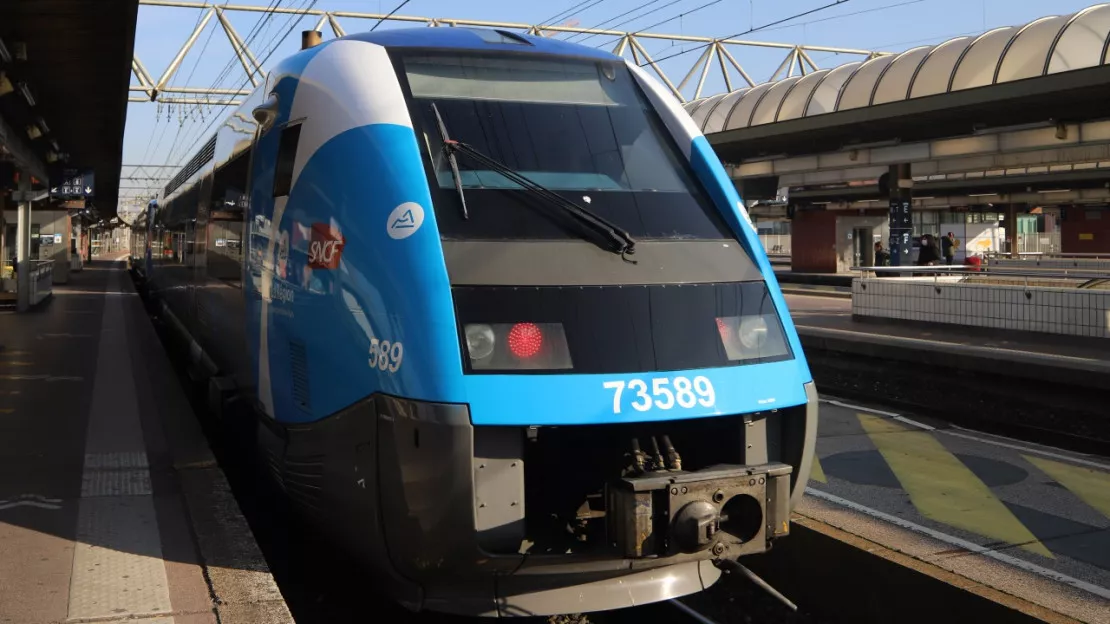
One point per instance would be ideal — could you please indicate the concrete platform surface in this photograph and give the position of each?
(1024, 519)
(106, 481)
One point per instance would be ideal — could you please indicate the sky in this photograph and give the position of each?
(170, 134)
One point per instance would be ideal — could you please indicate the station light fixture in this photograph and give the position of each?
(26, 92)
(5, 55)
(6, 86)
(981, 194)
(33, 131)
(42, 124)
(1056, 191)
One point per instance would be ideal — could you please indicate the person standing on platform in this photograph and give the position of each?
(927, 255)
(948, 247)
(882, 258)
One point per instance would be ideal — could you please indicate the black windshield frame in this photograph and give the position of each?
(496, 213)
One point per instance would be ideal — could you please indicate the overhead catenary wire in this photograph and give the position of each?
(561, 14)
(843, 15)
(750, 30)
(576, 9)
(669, 19)
(299, 15)
(603, 23)
(158, 118)
(390, 14)
(262, 25)
(255, 32)
(256, 29)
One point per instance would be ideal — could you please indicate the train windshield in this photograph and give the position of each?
(578, 127)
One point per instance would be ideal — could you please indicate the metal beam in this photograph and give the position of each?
(625, 40)
(1001, 149)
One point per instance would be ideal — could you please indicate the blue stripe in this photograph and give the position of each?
(716, 181)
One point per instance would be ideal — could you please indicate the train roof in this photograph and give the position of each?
(461, 38)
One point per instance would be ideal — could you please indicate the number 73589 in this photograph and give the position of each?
(663, 393)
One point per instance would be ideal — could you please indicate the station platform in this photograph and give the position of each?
(1021, 524)
(112, 506)
(826, 323)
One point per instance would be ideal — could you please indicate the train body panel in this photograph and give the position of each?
(442, 363)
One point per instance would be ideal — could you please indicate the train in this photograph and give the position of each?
(502, 326)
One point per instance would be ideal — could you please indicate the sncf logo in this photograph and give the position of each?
(325, 248)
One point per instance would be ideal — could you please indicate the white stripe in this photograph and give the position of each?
(348, 84)
(967, 436)
(839, 403)
(1027, 449)
(962, 543)
(269, 265)
(677, 120)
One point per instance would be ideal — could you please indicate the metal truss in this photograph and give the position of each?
(139, 183)
(155, 174)
(797, 58)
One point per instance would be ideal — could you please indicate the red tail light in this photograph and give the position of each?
(517, 346)
(525, 340)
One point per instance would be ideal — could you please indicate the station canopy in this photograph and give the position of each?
(1044, 47)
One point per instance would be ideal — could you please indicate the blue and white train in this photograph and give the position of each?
(505, 324)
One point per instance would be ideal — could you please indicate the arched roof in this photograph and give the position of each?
(1049, 45)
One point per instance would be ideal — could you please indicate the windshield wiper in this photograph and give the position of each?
(621, 241)
(451, 159)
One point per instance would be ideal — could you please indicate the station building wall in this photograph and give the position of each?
(813, 242)
(1085, 229)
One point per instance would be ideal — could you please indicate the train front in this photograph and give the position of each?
(586, 388)
(637, 409)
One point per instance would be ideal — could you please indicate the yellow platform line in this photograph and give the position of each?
(816, 472)
(942, 488)
(6, 410)
(1090, 485)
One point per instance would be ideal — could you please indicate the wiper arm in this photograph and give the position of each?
(622, 242)
(451, 159)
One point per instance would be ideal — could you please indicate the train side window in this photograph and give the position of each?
(287, 154)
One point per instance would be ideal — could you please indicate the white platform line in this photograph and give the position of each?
(1102, 592)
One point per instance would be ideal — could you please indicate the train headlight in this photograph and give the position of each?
(480, 341)
(753, 332)
(751, 337)
(517, 346)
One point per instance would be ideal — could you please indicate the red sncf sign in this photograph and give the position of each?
(326, 247)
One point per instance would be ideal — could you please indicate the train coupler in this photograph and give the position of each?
(727, 510)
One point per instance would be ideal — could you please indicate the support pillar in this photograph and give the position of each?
(1012, 229)
(3, 239)
(23, 245)
(901, 219)
(77, 246)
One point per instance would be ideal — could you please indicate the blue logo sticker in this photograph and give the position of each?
(405, 220)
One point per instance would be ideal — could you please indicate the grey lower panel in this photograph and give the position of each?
(579, 263)
(809, 445)
(523, 596)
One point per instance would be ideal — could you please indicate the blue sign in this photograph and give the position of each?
(75, 184)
